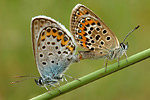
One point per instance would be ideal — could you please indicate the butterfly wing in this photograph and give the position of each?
(90, 32)
(53, 46)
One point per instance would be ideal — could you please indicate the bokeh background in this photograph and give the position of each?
(16, 56)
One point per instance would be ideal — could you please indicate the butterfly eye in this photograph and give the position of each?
(124, 46)
(39, 81)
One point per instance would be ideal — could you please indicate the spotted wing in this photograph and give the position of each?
(90, 32)
(53, 46)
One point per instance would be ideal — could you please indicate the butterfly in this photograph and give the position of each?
(54, 50)
(91, 33)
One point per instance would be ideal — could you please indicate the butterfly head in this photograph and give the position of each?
(124, 46)
(39, 81)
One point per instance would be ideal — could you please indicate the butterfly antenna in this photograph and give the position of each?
(130, 32)
(27, 77)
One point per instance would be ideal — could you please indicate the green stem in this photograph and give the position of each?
(94, 76)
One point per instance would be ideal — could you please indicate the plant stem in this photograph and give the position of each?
(94, 76)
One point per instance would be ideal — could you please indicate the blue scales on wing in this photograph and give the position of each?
(53, 46)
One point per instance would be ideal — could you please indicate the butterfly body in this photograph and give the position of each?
(112, 54)
(54, 49)
(91, 33)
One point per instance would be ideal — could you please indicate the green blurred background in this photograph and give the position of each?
(16, 57)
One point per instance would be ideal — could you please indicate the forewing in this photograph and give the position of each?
(90, 32)
(54, 47)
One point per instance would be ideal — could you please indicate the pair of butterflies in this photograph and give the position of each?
(54, 46)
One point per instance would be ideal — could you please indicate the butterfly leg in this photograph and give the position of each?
(48, 89)
(126, 57)
(65, 78)
(118, 62)
(56, 87)
(58, 84)
(76, 58)
(70, 77)
(105, 64)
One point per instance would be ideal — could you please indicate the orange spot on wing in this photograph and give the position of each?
(84, 44)
(42, 22)
(70, 48)
(83, 37)
(64, 42)
(42, 37)
(80, 14)
(48, 34)
(81, 28)
(91, 21)
(82, 31)
(86, 22)
(96, 21)
(83, 12)
(59, 37)
(54, 34)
